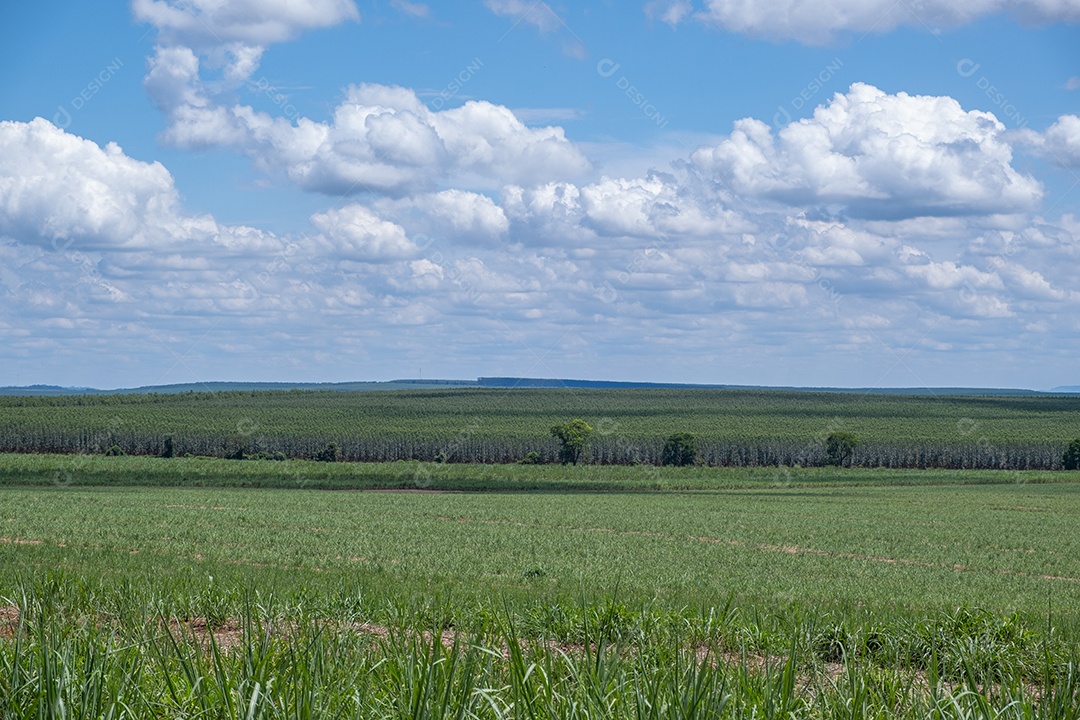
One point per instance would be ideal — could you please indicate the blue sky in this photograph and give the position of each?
(844, 193)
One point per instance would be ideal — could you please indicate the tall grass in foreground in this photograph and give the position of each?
(143, 657)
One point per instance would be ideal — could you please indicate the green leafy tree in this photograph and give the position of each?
(840, 448)
(329, 454)
(573, 436)
(680, 449)
(1071, 460)
(531, 458)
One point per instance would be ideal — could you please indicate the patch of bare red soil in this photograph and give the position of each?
(225, 635)
(9, 621)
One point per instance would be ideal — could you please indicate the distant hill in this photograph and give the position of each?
(507, 383)
(54, 390)
(513, 382)
(46, 390)
(510, 382)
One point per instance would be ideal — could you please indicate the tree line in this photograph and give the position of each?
(572, 442)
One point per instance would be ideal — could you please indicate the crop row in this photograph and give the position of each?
(733, 428)
(716, 453)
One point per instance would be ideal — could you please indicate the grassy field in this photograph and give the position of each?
(733, 427)
(870, 550)
(98, 470)
(143, 587)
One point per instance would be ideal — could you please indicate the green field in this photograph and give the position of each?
(96, 470)
(733, 427)
(602, 592)
(883, 550)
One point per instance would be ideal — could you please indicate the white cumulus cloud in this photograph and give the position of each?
(255, 22)
(358, 233)
(1059, 143)
(381, 139)
(468, 216)
(819, 22)
(879, 155)
(56, 188)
